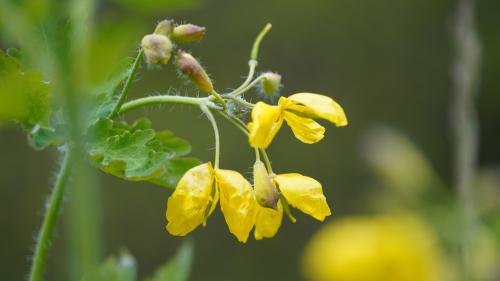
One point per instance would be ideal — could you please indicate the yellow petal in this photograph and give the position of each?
(304, 193)
(266, 122)
(305, 129)
(268, 221)
(322, 107)
(236, 202)
(188, 206)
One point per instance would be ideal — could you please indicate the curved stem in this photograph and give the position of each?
(211, 118)
(235, 122)
(128, 83)
(50, 219)
(218, 97)
(152, 100)
(252, 64)
(246, 88)
(256, 43)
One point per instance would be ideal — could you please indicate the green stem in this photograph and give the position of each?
(219, 98)
(153, 100)
(241, 101)
(266, 161)
(128, 83)
(50, 219)
(211, 118)
(252, 63)
(466, 72)
(256, 43)
(243, 90)
(234, 120)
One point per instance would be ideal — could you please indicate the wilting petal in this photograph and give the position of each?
(268, 221)
(236, 202)
(188, 206)
(304, 193)
(321, 107)
(266, 122)
(305, 129)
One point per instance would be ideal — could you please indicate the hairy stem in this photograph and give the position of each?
(241, 101)
(128, 83)
(50, 219)
(154, 100)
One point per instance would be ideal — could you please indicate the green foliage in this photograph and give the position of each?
(42, 137)
(178, 268)
(24, 95)
(122, 268)
(138, 153)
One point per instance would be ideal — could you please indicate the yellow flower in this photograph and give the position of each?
(196, 196)
(298, 111)
(375, 248)
(301, 192)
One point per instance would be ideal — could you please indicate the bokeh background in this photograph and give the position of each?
(386, 62)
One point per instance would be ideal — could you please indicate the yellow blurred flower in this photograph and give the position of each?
(303, 193)
(196, 196)
(375, 248)
(298, 111)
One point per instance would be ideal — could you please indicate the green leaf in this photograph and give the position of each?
(103, 99)
(138, 153)
(24, 95)
(122, 268)
(178, 268)
(42, 137)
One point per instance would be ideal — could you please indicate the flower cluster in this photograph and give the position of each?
(260, 206)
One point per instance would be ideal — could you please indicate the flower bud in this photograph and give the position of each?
(165, 27)
(188, 32)
(266, 193)
(270, 84)
(157, 48)
(191, 68)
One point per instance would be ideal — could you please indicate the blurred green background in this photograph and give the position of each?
(386, 62)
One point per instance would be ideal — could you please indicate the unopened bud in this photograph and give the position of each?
(157, 48)
(270, 84)
(191, 68)
(187, 32)
(165, 27)
(266, 193)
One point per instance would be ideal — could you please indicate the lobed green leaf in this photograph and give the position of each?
(137, 153)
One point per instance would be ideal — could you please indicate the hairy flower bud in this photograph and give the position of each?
(266, 193)
(187, 32)
(157, 48)
(165, 27)
(270, 84)
(191, 68)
